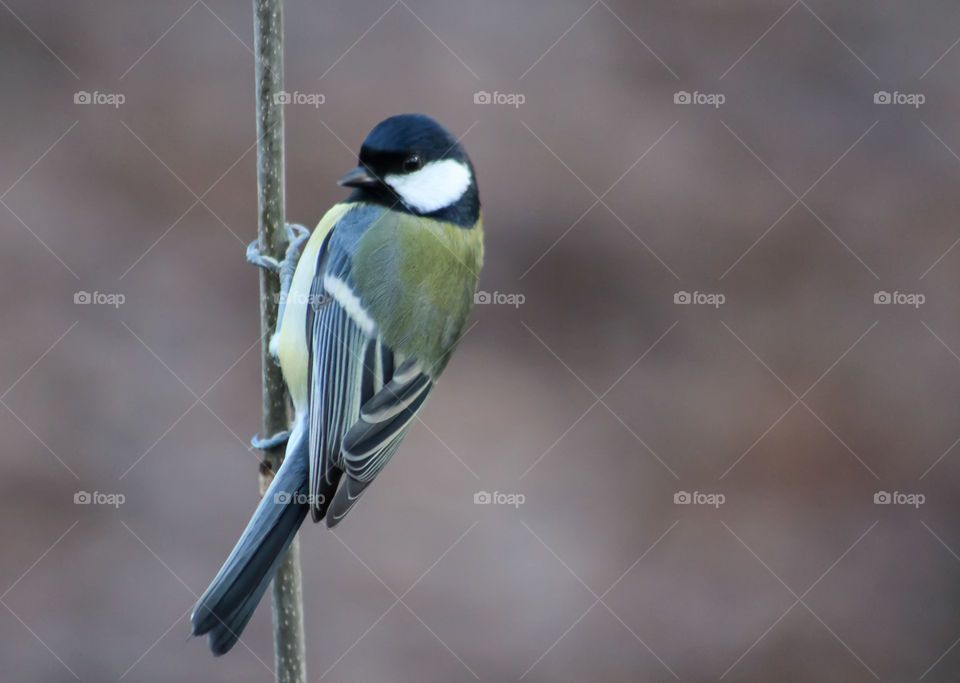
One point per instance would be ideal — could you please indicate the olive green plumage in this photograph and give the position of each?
(417, 278)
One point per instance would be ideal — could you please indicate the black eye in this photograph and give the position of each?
(412, 163)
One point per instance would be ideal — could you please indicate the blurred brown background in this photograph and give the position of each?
(798, 199)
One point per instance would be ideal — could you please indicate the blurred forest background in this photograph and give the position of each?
(598, 399)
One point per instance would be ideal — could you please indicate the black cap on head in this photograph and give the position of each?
(399, 147)
(418, 133)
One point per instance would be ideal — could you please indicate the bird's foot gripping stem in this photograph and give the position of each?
(296, 236)
(270, 442)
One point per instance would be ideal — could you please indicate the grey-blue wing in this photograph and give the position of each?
(362, 398)
(373, 439)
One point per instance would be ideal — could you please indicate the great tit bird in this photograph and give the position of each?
(369, 317)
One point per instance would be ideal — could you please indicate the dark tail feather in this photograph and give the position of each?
(227, 605)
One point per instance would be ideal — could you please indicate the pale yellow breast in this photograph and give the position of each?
(290, 341)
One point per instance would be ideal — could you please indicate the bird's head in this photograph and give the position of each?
(411, 163)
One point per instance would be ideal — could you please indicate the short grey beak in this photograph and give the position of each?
(358, 177)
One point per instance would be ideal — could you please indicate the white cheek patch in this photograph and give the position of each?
(435, 186)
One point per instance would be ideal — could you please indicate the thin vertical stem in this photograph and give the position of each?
(288, 634)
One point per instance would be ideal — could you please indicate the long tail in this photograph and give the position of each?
(227, 605)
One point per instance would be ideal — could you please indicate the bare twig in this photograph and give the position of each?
(288, 635)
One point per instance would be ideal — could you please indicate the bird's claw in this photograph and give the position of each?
(296, 236)
(258, 258)
(270, 442)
